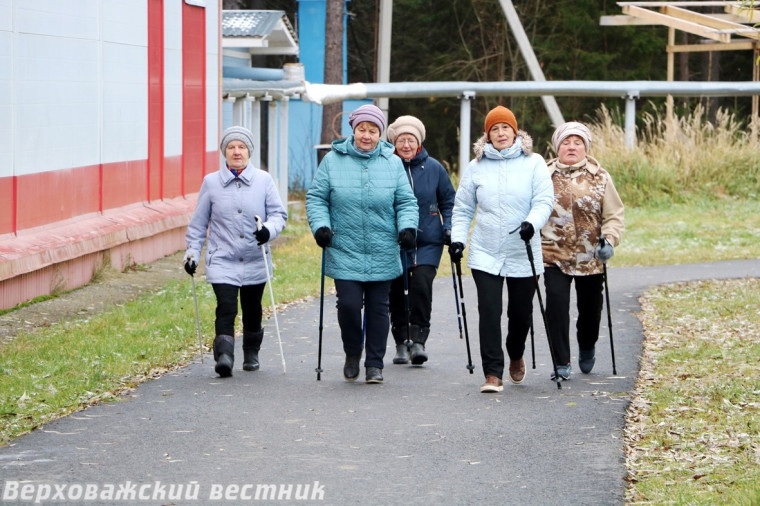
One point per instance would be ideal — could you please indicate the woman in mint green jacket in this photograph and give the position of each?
(360, 208)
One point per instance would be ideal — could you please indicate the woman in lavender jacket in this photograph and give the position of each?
(228, 204)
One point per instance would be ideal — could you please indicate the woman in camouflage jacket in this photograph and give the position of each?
(583, 229)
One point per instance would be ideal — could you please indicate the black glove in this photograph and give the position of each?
(262, 235)
(526, 231)
(323, 236)
(190, 266)
(406, 238)
(456, 251)
(447, 237)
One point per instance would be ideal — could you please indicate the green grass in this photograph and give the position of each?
(699, 231)
(693, 430)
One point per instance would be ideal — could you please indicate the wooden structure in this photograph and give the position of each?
(736, 28)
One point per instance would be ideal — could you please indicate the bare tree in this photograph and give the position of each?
(333, 67)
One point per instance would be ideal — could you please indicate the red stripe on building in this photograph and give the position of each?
(193, 97)
(46, 197)
(123, 183)
(154, 190)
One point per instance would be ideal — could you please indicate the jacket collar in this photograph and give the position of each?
(246, 176)
(345, 147)
(592, 165)
(479, 148)
(418, 160)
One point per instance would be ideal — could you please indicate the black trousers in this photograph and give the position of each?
(520, 293)
(420, 297)
(373, 296)
(227, 307)
(588, 292)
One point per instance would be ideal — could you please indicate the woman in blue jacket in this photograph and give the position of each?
(228, 203)
(435, 200)
(360, 208)
(510, 188)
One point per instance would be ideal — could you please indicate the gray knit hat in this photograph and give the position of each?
(406, 125)
(237, 133)
(565, 130)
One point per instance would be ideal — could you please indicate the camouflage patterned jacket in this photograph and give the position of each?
(586, 206)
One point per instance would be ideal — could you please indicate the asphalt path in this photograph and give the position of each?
(425, 436)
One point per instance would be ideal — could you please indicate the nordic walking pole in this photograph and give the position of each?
(404, 262)
(470, 367)
(532, 343)
(456, 298)
(609, 315)
(529, 250)
(271, 292)
(321, 316)
(197, 319)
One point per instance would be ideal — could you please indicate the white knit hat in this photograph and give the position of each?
(565, 130)
(406, 125)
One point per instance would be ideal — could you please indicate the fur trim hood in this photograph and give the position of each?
(527, 148)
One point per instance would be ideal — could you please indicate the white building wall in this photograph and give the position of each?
(6, 98)
(125, 80)
(6, 88)
(57, 102)
(172, 78)
(213, 78)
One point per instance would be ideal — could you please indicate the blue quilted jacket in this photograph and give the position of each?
(435, 198)
(366, 199)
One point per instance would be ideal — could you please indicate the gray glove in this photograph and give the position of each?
(604, 250)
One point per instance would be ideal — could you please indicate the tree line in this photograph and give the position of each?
(469, 40)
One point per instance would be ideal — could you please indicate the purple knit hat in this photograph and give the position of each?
(368, 112)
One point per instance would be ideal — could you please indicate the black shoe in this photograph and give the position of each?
(402, 354)
(351, 368)
(374, 375)
(418, 354)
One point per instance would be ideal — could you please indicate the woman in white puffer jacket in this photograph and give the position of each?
(510, 188)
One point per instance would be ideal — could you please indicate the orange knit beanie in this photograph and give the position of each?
(500, 114)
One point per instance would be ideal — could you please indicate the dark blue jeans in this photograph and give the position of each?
(227, 307)
(373, 297)
(520, 293)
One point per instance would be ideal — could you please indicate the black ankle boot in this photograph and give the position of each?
(251, 346)
(400, 336)
(351, 368)
(419, 336)
(402, 354)
(224, 355)
(374, 375)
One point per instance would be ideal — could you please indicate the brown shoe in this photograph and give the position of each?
(492, 384)
(517, 371)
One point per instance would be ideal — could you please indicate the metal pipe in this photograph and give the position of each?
(526, 49)
(384, 50)
(464, 128)
(256, 130)
(328, 93)
(282, 162)
(630, 120)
